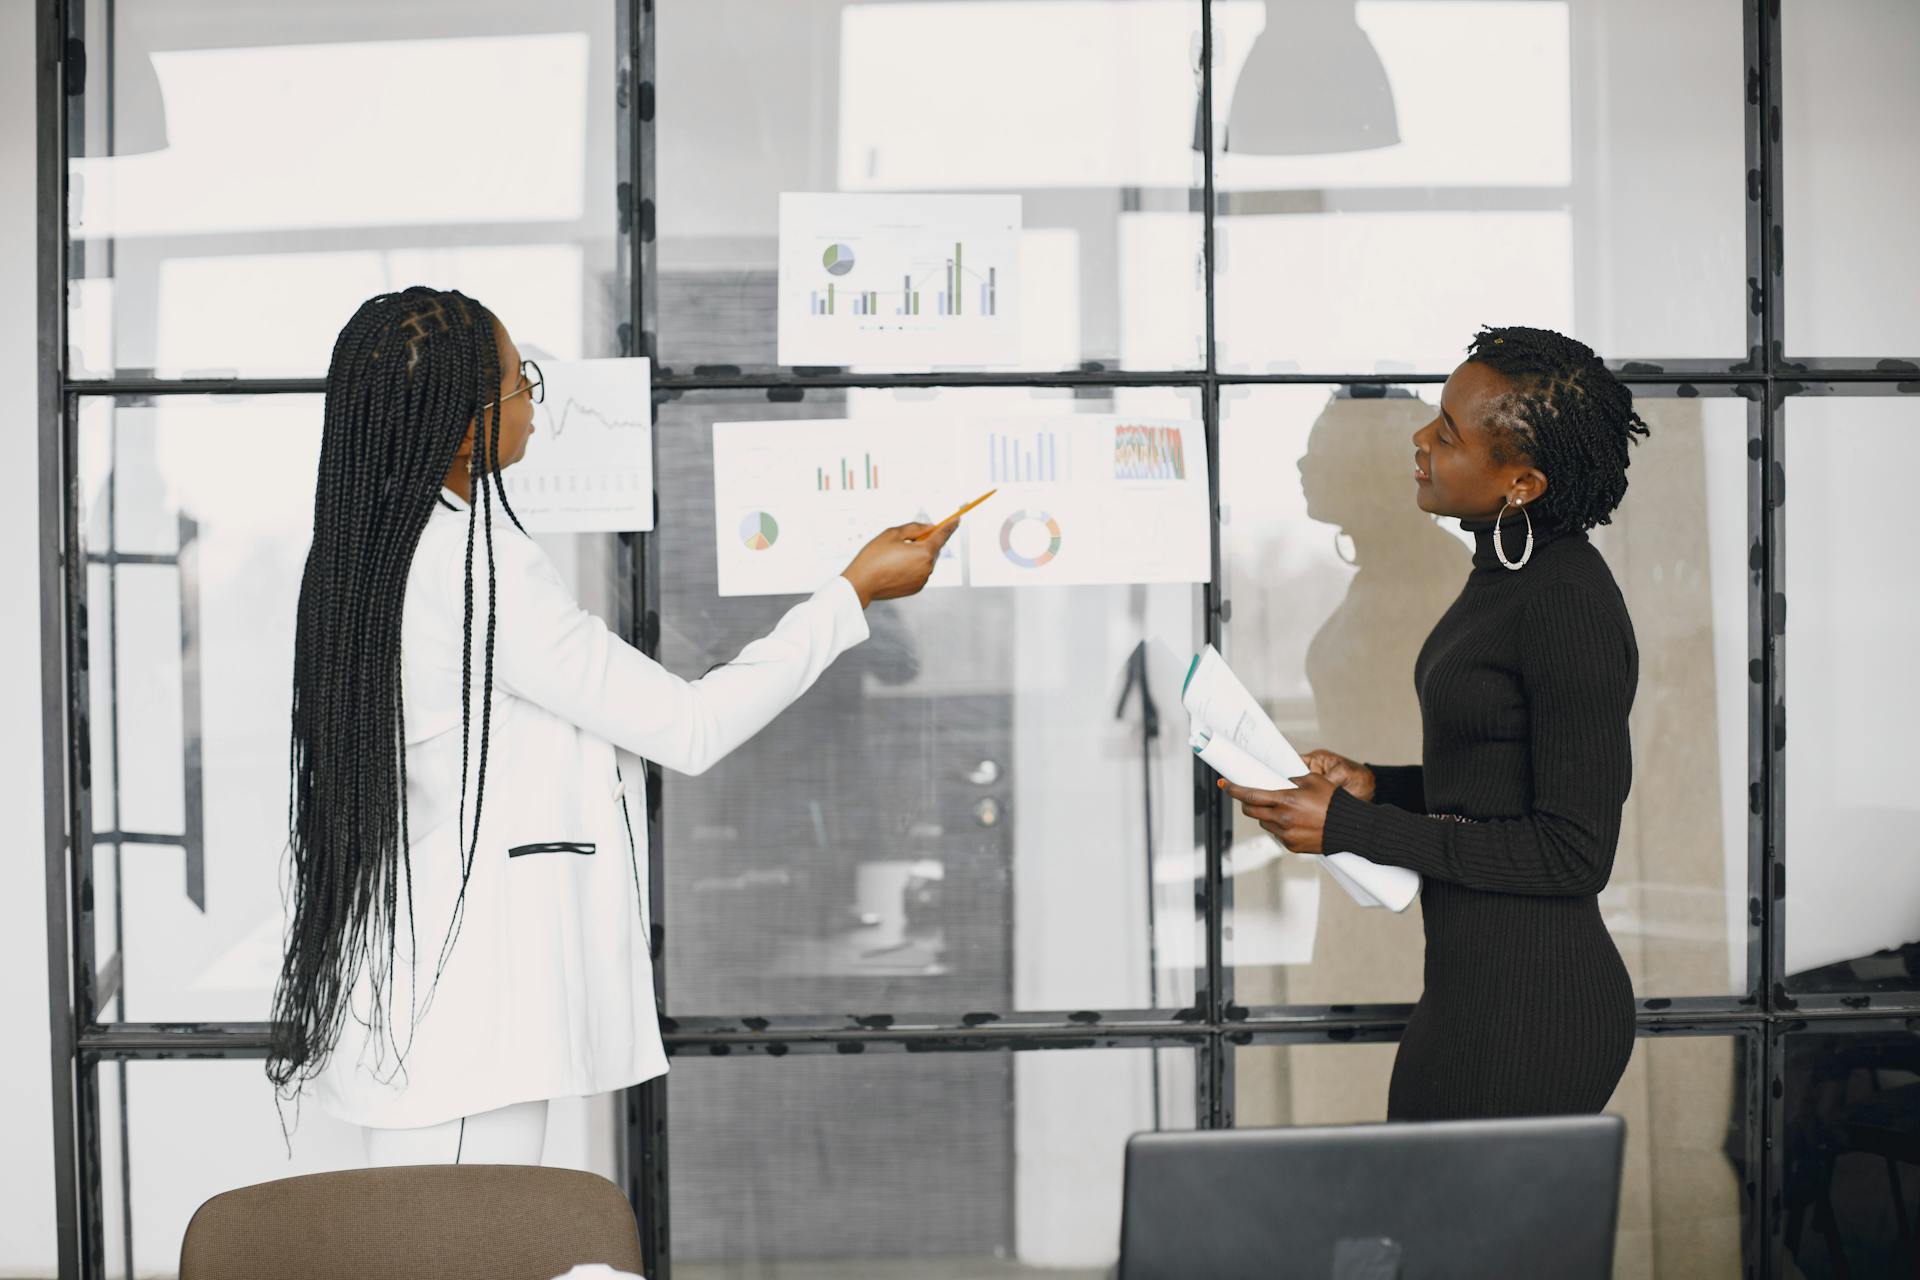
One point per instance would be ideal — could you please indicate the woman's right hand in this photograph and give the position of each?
(1350, 776)
(898, 561)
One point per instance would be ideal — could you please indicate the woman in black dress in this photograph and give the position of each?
(1524, 685)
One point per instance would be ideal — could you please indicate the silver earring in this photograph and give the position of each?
(1500, 550)
(1345, 558)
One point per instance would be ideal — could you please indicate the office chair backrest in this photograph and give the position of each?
(423, 1222)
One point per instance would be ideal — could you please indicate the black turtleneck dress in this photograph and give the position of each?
(1524, 686)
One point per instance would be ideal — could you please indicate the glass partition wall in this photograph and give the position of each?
(930, 948)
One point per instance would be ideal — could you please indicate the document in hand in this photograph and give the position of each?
(1236, 737)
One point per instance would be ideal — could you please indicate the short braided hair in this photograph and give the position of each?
(1567, 414)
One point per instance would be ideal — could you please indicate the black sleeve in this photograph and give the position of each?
(1403, 786)
(1578, 667)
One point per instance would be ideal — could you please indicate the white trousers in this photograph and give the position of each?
(514, 1134)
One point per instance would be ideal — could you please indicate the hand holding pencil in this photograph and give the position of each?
(941, 524)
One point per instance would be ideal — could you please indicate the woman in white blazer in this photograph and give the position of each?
(468, 881)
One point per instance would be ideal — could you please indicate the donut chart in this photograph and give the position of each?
(1029, 538)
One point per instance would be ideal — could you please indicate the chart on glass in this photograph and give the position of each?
(589, 463)
(1089, 498)
(1078, 499)
(793, 501)
(886, 281)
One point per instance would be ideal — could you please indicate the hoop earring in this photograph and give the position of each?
(1344, 557)
(1500, 550)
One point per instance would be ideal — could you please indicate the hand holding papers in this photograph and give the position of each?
(1241, 743)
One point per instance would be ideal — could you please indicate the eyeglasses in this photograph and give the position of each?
(531, 384)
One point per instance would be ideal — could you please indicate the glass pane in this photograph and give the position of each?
(955, 818)
(1336, 577)
(935, 1166)
(229, 212)
(1852, 1110)
(1853, 890)
(1683, 1099)
(1848, 97)
(239, 472)
(191, 670)
(1084, 111)
(1374, 213)
(196, 1129)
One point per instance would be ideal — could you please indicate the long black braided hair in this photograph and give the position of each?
(1568, 415)
(410, 371)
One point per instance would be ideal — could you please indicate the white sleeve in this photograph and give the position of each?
(550, 651)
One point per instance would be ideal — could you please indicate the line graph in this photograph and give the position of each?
(589, 466)
(557, 419)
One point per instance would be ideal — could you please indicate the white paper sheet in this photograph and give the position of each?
(1079, 498)
(899, 282)
(589, 466)
(793, 501)
(1089, 498)
(1240, 742)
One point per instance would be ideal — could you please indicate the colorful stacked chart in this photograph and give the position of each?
(1021, 539)
(759, 530)
(1148, 453)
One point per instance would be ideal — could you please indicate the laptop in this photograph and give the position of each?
(1466, 1198)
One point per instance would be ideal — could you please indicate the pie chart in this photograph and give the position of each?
(838, 259)
(759, 530)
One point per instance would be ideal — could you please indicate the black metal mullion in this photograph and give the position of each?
(671, 385)
(159, 1041)
(56, 589)
(1759, 659)
(645, 1111)
(1214, 1075)
(118, 961)
(1770, 726)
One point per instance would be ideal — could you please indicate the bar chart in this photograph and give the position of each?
(1027, 457)
(899, 281)
(845, 478)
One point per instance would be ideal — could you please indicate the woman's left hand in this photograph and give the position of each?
(1296, 818)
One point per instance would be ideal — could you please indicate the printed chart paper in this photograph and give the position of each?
(589, 465)
(1088, 498)
(893, 281)
(793, 501)
(1080, 498)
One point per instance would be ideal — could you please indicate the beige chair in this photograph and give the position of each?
(419, 1222)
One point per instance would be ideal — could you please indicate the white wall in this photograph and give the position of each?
(26, 1148)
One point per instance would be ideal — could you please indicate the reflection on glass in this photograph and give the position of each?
(1848, 99)
(224, 241)
(198, 1128)
(1083, 109)
(1853, 898)
(934, 1166)
(1336, 578)
(1368, 238)
(1683, 1101)
(958, 817)
(1852, 1151)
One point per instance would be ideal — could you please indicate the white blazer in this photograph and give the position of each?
(546, 988)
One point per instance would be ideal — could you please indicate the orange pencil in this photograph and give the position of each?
(962, 511)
